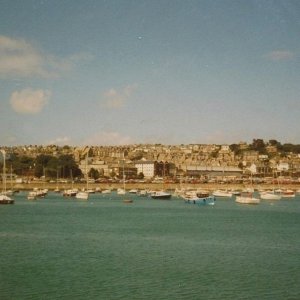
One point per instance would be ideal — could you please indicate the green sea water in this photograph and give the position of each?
(58, 248)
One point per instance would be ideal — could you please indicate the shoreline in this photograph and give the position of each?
(148, 186)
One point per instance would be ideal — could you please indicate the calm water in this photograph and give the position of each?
(57, 248)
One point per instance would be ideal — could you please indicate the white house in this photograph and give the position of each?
(146, 167)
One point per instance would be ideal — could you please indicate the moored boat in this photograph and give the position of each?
(70, 192)
(288, 194)
(222, 193)
(4, 199)
(198, 198)
(270, 195)
(82, 195)
(247, 198)
(160, 195)
(32, 195)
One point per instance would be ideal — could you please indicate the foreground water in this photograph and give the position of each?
(57, 248)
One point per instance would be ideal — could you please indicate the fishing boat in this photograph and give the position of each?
(4, 199)
(247, 198)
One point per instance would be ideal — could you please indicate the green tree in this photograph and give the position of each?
(141, 175)
(259, 145)
(68, 165)
(235, 148)
(93, 173)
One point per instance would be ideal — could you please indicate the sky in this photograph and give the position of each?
(122, 72)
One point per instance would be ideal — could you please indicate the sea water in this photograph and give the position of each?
(62, 248)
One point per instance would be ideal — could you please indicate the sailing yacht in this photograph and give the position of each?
(4, 199)
(122, 191)
(84, 195)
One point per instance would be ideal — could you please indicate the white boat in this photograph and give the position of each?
(121, 191)
(107, 191)
(142, 193)
(70, 192)
(32, 195)
(247, 198)
(160, 195)
(133, 191)
(82, 195)
(270, 195)
(222, 193)
(4, 199)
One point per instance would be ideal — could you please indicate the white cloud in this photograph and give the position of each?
(108, 139)
(280, 55)
(116, 99)
(20, 58)
(60, 141)
(29, 101)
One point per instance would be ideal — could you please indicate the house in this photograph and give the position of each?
(147, 167)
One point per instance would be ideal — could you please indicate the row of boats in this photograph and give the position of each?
(200, 197)
(84, 194)
(244, 197)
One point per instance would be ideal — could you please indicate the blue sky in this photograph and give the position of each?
(172, 72)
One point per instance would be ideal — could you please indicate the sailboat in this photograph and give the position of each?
(56, 190)
(247, 196)
(84, 195)
(4, 199)
(270, 194)
(163, 195)
(122, 191)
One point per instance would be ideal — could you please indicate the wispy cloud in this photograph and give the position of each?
(114, 99)
(20, 58)
(29, 101)
(280, 55)
(109, 139)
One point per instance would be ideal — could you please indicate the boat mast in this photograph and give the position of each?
(4, 172)
(86, 172)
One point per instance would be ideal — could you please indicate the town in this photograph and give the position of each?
(258, 161)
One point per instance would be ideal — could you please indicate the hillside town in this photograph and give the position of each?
(262, 161)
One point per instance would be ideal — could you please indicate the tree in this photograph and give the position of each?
(68, 164)
(235, 148)
(93, 173)
(45, 163)
(259, 145)
(141, 175)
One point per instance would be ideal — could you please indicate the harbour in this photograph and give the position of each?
(66, 248)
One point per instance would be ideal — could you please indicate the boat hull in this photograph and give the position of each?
(210, 200)
(161, 195)
(247, 200)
